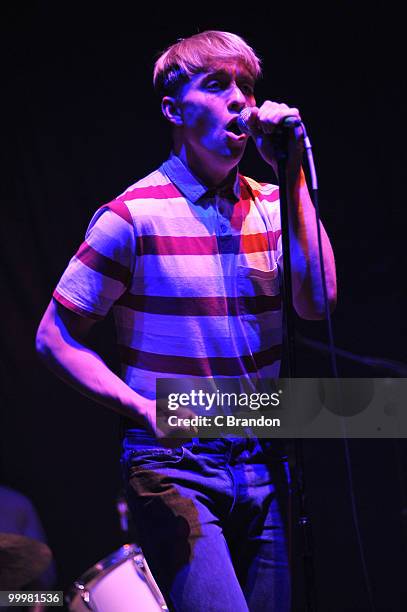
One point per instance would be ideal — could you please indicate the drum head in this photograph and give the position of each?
(121, 582)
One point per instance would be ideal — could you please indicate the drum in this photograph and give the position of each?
(121, 582)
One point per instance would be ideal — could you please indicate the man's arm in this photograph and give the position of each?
(61, 344)
(307, 288)
(308, 296)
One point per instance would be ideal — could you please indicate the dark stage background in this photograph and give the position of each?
(81, 123)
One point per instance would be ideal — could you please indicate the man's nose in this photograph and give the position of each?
(237, 100)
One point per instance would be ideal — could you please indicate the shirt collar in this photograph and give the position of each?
(192, 188)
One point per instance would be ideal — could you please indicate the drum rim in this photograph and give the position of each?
(101, 568)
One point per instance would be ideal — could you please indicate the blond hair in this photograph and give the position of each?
(195, 54)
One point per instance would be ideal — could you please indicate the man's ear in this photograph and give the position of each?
(171, 110)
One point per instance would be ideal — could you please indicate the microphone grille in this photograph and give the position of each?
(243, 118)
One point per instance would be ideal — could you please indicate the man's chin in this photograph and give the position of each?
(236, 153)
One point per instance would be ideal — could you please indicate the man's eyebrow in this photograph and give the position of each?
(215, 73)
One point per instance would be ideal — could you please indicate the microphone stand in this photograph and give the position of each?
(289, 339)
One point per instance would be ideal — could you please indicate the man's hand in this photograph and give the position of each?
(149, 410)
(164, 430)
(265, 124)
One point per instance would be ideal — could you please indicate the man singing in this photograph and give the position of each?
(189, 259)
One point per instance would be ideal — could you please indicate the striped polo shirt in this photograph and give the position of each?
(192, 276)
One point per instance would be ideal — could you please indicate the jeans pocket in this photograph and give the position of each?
(153, 458)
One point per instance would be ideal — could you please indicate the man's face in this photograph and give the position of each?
(210, 104)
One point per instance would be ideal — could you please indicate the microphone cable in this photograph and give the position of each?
(332, 353)
(314, 197)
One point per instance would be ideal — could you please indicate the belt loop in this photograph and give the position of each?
(195, 442)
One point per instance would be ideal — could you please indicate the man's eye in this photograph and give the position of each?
(214, 85)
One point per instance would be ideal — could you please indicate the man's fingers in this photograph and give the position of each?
(271, 115)
(181, 421)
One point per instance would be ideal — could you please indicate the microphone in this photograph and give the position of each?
(244, 116)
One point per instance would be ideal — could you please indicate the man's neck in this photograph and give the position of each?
(210, 175)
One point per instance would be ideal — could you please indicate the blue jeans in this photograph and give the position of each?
(211, 520)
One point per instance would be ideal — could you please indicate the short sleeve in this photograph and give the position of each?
(101, 270)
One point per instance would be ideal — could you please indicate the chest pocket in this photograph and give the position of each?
(258, 291)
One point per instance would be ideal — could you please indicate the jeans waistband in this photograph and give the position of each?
(141, 437)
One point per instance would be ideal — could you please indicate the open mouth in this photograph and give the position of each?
(233, 127)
